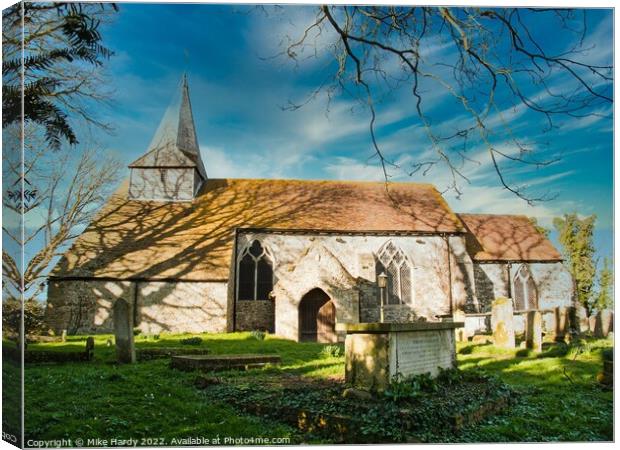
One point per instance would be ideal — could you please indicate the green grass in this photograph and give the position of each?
(558, 396)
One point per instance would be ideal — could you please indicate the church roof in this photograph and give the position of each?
(175, 143)
(506, 238)
(194, 241)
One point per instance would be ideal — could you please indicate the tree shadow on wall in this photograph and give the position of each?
(157, 241)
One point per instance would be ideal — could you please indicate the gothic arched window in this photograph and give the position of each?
(525, 294)
(397, 267)
(255, 273)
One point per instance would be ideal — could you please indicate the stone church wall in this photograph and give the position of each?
(553, 281)
(356, 254)
(85, 306)
(146, 183)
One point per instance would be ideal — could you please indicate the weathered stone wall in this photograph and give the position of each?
(553, 283)
(162, 184)
(193, 307)
(86, 306)
(491, 283)
(344, 267)
(255, 315)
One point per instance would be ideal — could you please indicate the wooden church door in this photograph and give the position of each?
(326, 323)
(317, 317)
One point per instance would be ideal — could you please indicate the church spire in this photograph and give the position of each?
(175, 144)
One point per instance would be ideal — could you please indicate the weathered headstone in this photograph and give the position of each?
(90, 348)
(123, 332)
(603, 324)
(502, 323)
(582, 317)
(561, 323)
(592, 322)
(533, 331)
(461, 333)
(573, 323)
(63, 336)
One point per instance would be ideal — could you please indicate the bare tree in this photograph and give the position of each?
(493, 61)
(71, 185)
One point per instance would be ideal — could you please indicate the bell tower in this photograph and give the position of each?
(171, 169)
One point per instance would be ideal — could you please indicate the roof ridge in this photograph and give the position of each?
(430, 185)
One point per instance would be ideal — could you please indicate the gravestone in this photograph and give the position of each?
(90, 348)
(592, 323)
(603, 324)
(573, 323)
(533, 331)
(461, 333)
(561, 323)
(502, 323)
(123, 332)
(582, 317)
(63, 336)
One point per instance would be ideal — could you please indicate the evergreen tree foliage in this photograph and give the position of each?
(54, 36)
(604, 298)
(576, 236)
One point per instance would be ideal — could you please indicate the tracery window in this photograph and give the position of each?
(525, 293)
(397, 267)
(255, 273)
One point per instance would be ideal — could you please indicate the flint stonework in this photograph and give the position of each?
(502, 323)
(123, 332)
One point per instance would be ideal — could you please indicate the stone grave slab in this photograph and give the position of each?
(222, 362)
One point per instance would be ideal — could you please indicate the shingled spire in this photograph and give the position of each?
(171, 168)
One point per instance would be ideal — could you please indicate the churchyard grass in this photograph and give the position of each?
(558, 397)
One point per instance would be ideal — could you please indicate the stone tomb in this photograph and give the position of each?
(376, 352)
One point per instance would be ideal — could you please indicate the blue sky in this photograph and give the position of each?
(238, 93)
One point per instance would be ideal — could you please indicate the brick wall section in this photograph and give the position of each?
(255, 315)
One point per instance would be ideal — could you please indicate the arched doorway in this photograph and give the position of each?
(317, 317)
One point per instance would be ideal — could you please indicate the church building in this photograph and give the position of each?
(294, 257)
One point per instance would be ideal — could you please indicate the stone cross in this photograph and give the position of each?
(533, 331)
(123, 332)
(502, 323)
